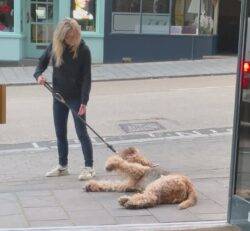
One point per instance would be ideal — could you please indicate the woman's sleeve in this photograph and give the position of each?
(43, 62)
(86, 86)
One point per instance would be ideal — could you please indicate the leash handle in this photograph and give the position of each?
(60, 98)
(56, 95)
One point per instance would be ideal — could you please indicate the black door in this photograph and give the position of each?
(228, 26)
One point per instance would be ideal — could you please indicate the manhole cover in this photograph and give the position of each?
(141, 127)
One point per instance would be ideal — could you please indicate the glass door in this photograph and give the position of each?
(40, 20)
(239, 205)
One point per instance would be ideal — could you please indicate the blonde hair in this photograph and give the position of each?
(65, 26)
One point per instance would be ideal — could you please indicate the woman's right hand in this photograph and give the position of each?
(41, 80)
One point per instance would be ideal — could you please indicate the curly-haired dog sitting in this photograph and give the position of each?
(155, 185)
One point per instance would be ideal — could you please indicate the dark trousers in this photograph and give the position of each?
(61, 112)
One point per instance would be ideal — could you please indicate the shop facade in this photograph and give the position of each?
(26, 26)
(120, 30)
(149, 30)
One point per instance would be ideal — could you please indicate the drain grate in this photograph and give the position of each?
(141, 127)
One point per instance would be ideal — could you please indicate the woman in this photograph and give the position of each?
(71, 61)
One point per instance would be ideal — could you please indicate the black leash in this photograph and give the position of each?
(59, 97)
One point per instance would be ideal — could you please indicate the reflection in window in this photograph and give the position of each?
(155, 6)
(7, 15)
(243, 162)
(243, 157)
(207, 16)
(243, 153)
(155, 16)
(126, 6)
(185, 14)
(84, 11)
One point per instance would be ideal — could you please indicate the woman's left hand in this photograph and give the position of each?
(82, 110)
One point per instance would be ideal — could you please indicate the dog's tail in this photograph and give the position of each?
(191, 199)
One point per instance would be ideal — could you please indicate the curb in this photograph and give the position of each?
(132, 78)
(182, 226)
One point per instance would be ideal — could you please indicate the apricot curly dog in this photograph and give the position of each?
(153, 184)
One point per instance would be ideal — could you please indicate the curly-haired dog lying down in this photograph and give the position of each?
(155, 185)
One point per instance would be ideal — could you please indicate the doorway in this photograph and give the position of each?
(228, 26)
(40, 21)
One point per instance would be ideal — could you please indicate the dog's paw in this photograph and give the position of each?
(92, 186)
(122, 200)
(113, 162)
(130, 205)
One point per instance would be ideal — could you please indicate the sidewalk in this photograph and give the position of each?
(28, 199)
(116, 110)
(104, 72)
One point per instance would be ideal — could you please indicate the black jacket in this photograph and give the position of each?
(73, 78)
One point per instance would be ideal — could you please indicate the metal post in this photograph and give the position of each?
(192, 54)
(141, 17)
(2, 104)
(170, 17)
(199, 18)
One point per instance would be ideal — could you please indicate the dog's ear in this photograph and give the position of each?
(131, 151)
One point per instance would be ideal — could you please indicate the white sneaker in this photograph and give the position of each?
(58, 171)
(86, 174)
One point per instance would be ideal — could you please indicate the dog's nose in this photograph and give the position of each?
(87, 188)
(108, 168)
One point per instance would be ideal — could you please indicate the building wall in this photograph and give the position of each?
(11, 48)
(156, 47)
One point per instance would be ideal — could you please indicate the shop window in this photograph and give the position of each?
(155, 16)
(6, 15)
(130, 16)
(185, 16)
(84, 11)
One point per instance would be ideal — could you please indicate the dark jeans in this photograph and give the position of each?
(61, 112)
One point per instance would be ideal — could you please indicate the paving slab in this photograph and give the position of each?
(45, 213)
(13, 221)
(136, 220)
(91, 217)
(104, 72)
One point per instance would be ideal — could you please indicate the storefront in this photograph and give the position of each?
(26, 26)
(118, 30)
(146, 30)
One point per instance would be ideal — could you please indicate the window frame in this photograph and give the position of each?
(140, 20)
(170, 15)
